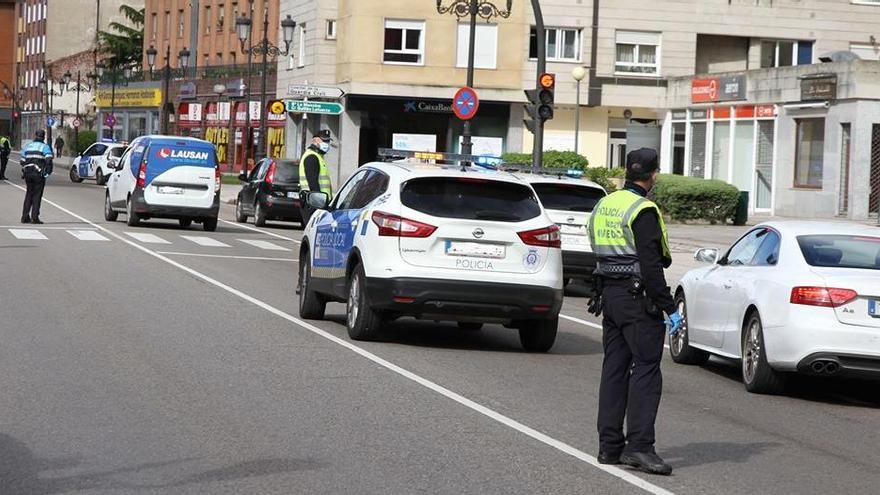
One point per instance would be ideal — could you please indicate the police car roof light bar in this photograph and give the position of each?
(524, 168)
(488, 162)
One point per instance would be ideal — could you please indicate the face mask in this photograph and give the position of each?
(324, 147)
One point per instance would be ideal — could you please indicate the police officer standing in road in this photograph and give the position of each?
(632, 249)
(314, 175)
(5, 149)
(36, 166)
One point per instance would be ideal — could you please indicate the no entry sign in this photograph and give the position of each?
(465, 103)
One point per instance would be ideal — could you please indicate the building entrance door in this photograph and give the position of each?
(874, 199)
(617, 148)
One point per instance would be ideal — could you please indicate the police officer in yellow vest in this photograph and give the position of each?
(313, 172)
(629, 238)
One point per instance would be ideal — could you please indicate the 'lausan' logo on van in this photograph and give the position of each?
(182, 154)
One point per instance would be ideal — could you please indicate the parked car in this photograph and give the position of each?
(435, 243)
(166, 177)
(270, 192)
(786, 297)
(97, 162)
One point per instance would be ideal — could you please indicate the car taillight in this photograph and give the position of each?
(142, 174)
(217, 179)
(546, 237)
(270, 175)
(822, 296)
(395, 226)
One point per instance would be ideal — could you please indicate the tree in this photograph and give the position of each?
(125, 46)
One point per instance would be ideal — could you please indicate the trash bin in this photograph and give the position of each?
(741, 214)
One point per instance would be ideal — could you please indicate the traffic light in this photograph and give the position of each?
(539, 109)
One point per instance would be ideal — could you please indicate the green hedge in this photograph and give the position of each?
(86, 139)
(570, 160)
(689, 198)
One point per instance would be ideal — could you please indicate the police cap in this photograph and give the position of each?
(641, 163)
(40, 135)
(323, 135)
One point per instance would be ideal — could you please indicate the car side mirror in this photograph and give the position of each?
(117, 165)
(707, 255)
(243, 177)
(318, 200)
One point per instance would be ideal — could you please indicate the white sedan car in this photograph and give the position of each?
(787, 297)
(97, 162)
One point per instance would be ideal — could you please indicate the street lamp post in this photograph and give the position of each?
(48, 87)
(183, 62)
(578, 73)
(79, 88)
(265, 49)
(114, 80)
(472, 8)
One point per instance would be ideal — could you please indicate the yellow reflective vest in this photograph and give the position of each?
(323, 176)
(611, 234)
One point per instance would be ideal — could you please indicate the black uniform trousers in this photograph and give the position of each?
(631, 381)
(35, 183)
(4, 160)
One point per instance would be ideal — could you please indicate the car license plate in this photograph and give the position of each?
(291, 194)
(574, 240)
(874, 308)
(475, 249)
(170, 190)
(572, 229)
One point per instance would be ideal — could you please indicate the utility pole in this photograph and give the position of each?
(538, 148)
(194, 37)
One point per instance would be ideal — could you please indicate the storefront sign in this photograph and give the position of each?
(242, 108)
(819, 87)
(746, 112)
(217, 113)
(721, 113)
(129, 98)
(699, 114)
(187, 90)
(426, 107)
(712, 89)
(679, 115)
(235, 89)
(765, 111)
(189, 115)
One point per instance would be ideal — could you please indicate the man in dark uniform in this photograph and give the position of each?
(314, 174)
(36, 166)
(632, 249)
(5, 150)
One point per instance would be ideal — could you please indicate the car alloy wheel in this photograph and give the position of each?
(751, 352)
(354, 295)
(679, 340)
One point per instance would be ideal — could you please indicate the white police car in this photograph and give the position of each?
(435, 243)
(97, 162)
(569, 200)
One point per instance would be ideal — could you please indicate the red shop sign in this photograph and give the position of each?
(765, 111)
(745, 112)
(721, 113)
(704, 90)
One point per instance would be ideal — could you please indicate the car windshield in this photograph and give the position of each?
(471, 199)
(841, 251)
(287, 171)
(117, 152)
(568, 197)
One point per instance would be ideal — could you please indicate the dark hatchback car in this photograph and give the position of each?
(270, 192)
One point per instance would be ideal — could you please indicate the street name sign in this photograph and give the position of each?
(306, 91)
(319, 107)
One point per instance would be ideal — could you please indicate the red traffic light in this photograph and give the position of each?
(547, 80)
(14, 115)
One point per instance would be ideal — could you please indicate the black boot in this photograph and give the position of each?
(648, 462)
(25, 220)
(37, 221)
(608, 458)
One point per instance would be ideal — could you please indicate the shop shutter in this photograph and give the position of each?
(874, 199)
(764, 164)
(698, 149)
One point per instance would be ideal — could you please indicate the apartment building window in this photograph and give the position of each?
(221, 17)
(638, 52)
(331, 29)
(562, 44)
(167, 24)
(235, 14)
(785, 53)
(301, 59)
(809, 151)
(219, 58)
(208, 19)
(485, 48)
(404, 42)
(154, 25)
(180, 24)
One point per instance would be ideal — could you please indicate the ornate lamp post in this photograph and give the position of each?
(79, 88)
(578, 74)
(48, 87)
(472, 8)
(265, 49)
(182, 62)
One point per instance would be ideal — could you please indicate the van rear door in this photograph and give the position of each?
(181, 173)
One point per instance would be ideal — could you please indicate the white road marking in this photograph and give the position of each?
(264, 245)
(28, 234)
(248, 227)
(147, 238)
(563, 447)
(228, 256)
(45, 228)
(204, 241)
(87, 235)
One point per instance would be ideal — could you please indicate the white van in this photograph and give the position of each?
(166, 177)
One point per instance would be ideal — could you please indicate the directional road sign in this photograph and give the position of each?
(321, 107)
(465, 103)
(50, 122)
(306, 91)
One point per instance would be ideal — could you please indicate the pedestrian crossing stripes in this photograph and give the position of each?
(263, 244)
(91, 235)
(205, 241)
(28, 234)
(87, 235)
(147, 238)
